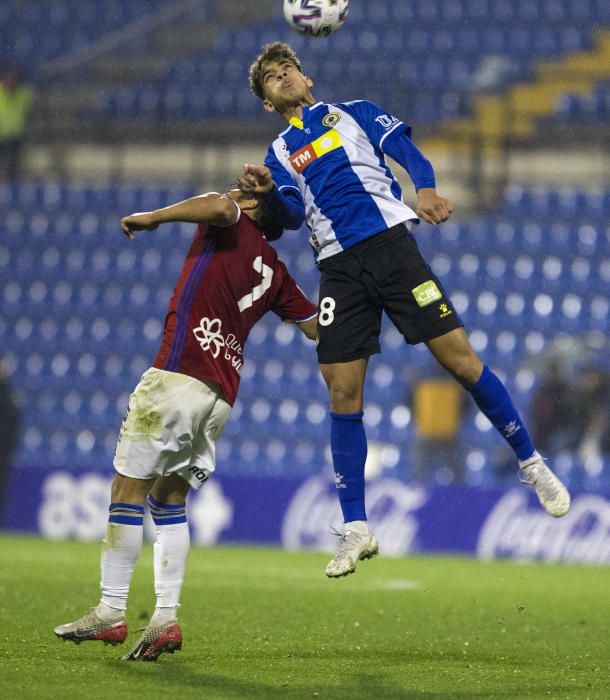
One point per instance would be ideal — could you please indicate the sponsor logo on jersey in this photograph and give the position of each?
(326, 143)
(331, 119)
(426, 293)
(210, 337)
(386, 121)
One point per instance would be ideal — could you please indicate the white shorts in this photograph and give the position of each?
(171, 427)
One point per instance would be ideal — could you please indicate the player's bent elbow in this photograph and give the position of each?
(222, 210)
(293, 221)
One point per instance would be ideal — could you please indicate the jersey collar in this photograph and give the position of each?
(298, 123)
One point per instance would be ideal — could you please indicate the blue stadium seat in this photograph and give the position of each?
(471, 29)
(515, 284)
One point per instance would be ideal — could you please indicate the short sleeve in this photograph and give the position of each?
(288, 301)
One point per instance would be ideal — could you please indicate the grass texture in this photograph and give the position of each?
(265, 623)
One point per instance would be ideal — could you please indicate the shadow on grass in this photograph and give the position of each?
(178, 677)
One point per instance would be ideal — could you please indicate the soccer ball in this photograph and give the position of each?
(316, 17)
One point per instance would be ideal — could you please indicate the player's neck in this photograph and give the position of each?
(296, 110)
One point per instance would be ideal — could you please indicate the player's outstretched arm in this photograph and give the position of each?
(431, 207)
(212, 208)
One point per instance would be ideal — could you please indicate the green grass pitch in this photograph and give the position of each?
(264, 623)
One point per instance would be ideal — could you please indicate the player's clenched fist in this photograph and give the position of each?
(431, 207)
(138, 222)
(256, 178)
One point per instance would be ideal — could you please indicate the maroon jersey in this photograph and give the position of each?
(231, 277)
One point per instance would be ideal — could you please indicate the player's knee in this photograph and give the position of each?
(170, 489)
(345, 398)
(467, 369)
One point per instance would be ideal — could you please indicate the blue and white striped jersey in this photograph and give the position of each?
(335, 159)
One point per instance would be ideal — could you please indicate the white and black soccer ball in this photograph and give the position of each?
(316, 17)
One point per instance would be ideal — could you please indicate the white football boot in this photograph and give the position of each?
(352, 549)
(552, 494)
(91, 627)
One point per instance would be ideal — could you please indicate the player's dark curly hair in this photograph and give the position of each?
(272, 53)
(266, 221)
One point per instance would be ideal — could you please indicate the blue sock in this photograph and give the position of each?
(493, 400)
(125, 514)
(348, 447)
(166, 514)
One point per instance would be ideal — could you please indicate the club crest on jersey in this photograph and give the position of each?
(331, 119)
(329, 141)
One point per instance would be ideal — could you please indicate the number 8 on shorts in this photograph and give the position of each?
(326, 315)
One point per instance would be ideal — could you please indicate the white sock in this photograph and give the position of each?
(109, 614)
(162, 616)
(361, 527)
(171, 551)
(120, 550)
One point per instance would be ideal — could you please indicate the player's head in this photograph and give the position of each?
(266, 221)
(276, 77)
(256, 207)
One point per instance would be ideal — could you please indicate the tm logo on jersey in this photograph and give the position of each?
(426, 293)
(322, 145)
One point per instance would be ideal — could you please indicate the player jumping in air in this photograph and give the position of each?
(230, 279)
(328, 168)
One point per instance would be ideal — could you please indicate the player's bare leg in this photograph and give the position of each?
(455, 354)
(120, 550)
(167, 501)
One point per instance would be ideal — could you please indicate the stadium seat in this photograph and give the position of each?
(516, 284)
(520, 32)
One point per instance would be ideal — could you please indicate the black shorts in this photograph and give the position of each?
(383, 273)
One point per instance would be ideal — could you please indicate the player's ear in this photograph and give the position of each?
(249, 204)
(268, 106)
(308, 81)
